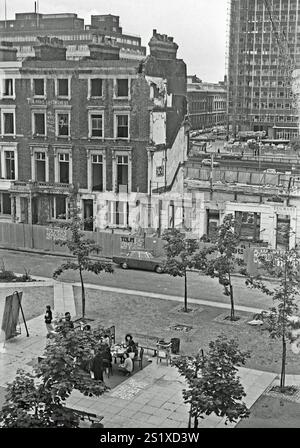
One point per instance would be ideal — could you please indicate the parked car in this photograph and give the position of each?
(270, 171)
(140, 259)
(207, 162)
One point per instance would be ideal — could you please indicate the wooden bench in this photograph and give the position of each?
(83, 415)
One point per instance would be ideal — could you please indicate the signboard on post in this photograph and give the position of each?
(10, 319)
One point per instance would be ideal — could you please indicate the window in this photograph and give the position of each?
(63, 168)
(5, 204)
(8, 123)
(118, 213)
(96, 87)
(59, 207)
(122, 88)
(39, 124)
(248, 225)
(63, 125)
(8, 87)
(283, 231)
(40, 166)
(38, 87)
(97, 172)
(63, 87)
(122, 126)
(122, 173)
(10, 164)
(96, 125)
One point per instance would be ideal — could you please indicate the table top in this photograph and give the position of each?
(118, 349)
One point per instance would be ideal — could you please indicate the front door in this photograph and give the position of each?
(88, 214)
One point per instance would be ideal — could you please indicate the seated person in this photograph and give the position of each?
(127, 367)
(68, 321)
(131, 345)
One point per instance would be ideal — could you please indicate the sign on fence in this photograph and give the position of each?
(131, 242)
(56, 233)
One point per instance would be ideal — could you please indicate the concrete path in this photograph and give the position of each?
(64, 298)
(152, 398)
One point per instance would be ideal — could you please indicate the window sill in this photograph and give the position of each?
(9, 135)
(95, 138)
(95, 98)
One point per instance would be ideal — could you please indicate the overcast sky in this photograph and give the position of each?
(198, 26)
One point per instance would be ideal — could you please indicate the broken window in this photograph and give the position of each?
(59, 207)
(63, 87)
(122, 87)
(63, 162)
(10, 164)
(40, 166)
(38, 87)
(39, 124)
(248, 226)
(96, 87)
(283, 231)
(97, 172)
(8, 123)
(122, 126)
(122, 173)
(63, 124)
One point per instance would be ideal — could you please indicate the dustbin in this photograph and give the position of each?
(175, 345)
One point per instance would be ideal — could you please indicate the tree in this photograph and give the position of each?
(80, 247)
(213, 384)
(279, 320)
(179, 252)
(220, 259)
(38, 400)
(29, 404)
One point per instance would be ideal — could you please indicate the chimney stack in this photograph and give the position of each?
(50, 49)
(162, 46)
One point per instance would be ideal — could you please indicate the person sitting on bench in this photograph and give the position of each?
(127, 367)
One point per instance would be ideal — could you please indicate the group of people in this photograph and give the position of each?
(64, 323)
(102, 359)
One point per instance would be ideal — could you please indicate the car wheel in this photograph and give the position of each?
(158, 269)
(124, 265)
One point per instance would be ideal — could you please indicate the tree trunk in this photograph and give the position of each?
(190, 417)
(82, 293)
(232, 314)
(185, 293)
(196, 422)
(283, 362)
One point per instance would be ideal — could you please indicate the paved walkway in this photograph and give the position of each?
(152, 398)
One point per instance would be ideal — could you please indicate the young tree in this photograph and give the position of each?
(179, 252)
(39, 400)
(66, 363)
(28, 404)
(220, 259)
(280, 318)
(80, 247)
(213, 384)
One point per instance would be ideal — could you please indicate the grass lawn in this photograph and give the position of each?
(146, 316)
(270, 412)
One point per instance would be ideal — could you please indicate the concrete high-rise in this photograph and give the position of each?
(260, 96)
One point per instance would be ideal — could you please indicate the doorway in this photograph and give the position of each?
(88, 214)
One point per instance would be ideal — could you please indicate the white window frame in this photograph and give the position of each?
(13, 96)
(38, 111)
(116, 114)
(53, 217)
(57, 151)
(95, 112)
(45, 87)
(90, 88)
(112, 214)
(69, 87)
(128, 96)
(90, 153)
(4, 149)
(121, 152)
(35, 150)
(8, 110)
(65, 112)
